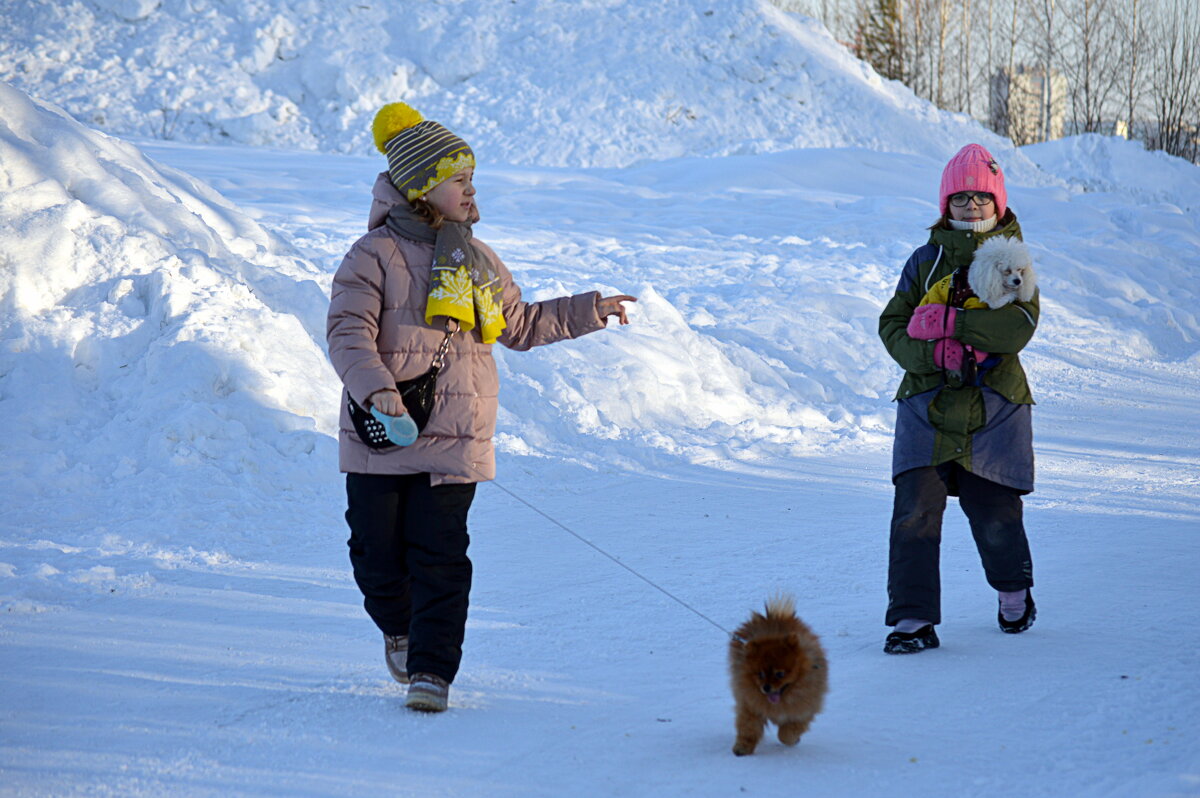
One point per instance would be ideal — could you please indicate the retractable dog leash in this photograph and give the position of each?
(601, 551)
(403, 431)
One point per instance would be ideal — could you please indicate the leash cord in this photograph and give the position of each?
(601, 551)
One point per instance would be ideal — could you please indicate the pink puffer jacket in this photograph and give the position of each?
(377, 335)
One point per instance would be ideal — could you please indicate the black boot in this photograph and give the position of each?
(1022, 623)
(911, 642)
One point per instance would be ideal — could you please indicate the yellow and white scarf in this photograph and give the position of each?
(462, 285)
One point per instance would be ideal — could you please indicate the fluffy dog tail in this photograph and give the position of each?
(779, 619)
(780, 606)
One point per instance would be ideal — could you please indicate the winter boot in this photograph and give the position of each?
(395, 653)
(428, 693)
(911, 642)
(1022, 623)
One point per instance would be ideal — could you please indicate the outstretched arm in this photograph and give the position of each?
(531, 324)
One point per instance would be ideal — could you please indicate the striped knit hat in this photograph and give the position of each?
(421, 153)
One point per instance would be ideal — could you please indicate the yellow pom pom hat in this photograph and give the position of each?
(421, 153)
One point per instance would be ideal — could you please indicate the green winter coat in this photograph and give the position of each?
(958, 411)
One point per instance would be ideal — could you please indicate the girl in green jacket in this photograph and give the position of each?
(961, 430)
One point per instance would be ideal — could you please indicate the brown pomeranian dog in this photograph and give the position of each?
(778, 671)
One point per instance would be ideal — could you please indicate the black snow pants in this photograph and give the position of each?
(994, 512)
(408, 545)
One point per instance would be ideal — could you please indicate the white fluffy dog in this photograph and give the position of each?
(1002, 271)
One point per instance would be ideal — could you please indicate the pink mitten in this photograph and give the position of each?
(948, 354)
(930, 322)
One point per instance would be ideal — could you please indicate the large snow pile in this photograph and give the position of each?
(144, 308)
(148, 326)
(1122, 253)
(1114, 165)
(535, 81)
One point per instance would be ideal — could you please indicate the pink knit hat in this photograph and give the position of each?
(974, 169)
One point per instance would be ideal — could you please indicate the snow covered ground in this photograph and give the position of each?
(177, 614)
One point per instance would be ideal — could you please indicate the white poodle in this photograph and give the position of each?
(1002, 271)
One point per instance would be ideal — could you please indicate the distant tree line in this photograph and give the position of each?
(1130, 67)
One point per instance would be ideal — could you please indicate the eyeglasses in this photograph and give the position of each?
(961, 199)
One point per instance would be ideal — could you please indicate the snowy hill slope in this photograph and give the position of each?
(537, 81)
(754, 341)
(1113, 165)
(144, 315)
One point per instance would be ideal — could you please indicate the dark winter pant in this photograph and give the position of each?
(408, 545)
(994, 512)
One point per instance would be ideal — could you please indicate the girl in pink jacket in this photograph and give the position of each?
(418, 282)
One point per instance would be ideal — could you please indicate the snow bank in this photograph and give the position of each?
(1110, 164)
(148, 326)
(1121, 250)
(538, 81)
(173, 323)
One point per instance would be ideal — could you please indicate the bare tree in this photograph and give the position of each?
(1090, 61)
(1014, 35)
(1093, 60)
(1004, 89)
(879, 37)
(966, 90)
(988, 68)
(1174, 86)
(943, 20)
(991, 38)
(919, 54)
(1133, 52)
(1044, 14)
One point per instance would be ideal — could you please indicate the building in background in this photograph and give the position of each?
(1026, 106)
